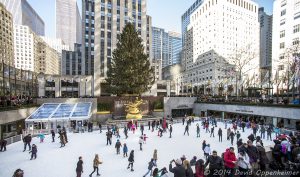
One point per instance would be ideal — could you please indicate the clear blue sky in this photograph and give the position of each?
(165, 13)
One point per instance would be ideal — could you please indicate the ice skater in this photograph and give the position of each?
(27, 140)
(79, 167)
(62, 139)
(118, 146)
(126, 132)
(170, 130)
(108, 137)
(96, 163)
(3, 143)
(212, 131)
(33, 151)
(231, 135)
(151, 164)
(100, 127)
(141, 140)
(145, 138)
(207, 151)
(155, 156)
(198, 130)
(186, 129)
(53, 135)
(131, 160)
(42, 137)
(125, 150)
(220, 134)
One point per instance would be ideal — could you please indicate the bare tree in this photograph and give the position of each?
(244, 60)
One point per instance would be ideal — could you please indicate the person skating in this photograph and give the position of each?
(262, 131)
(243, 126)
(108, 137)
(183, 120)
(254, 129)
(131, 160)
(207, 151)
(100, 127)
(206, 127)
(231, 135)
(230, 161)
(96, 163)
(79, 167)
(198, 130)
(186, 129)
(203, 145)
(149, 125)
(145, 138)
(212, 131)
(160, 132)
(3, 143)
(62, 139)
(125, 150)
(65, 134)
(220, 134)
(33, 151)
(215, 164)
(238, 135)
(188, 169)
(269, 133)
(126, 132)
(142, 129)
(53, 135)
(141, 140)
(151, 164)
(228, 133)
(42, 137)
(153, 125)
(118, 146)
(27, 140)
(170, 130)
(178, 170)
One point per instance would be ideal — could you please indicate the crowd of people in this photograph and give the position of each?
(15, 100)
(242, 158)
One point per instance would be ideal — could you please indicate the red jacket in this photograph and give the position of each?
(199, 171)
(228, 158)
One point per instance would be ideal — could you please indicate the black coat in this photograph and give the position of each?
(252, 153)
(220, 132)
(34, 150)
(79, 167)
(118, 144)
(215, 162)
(131, 157)
(189, 172)
(109, 134)
(263, 159)
(178, 171)
(27, 139)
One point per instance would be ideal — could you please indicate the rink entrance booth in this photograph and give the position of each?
(54, 116)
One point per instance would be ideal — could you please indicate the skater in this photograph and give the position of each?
(3, 143)
(27, 140)
(212, 131)
(269, 133)
(144, 138)
(225, 124)
(53, 135)
(125, 150)
(42, 137)
(126, 132)
(62, 139)
(149, 124)
(183, 120)
(231, 135)
(178, 170)
(108, 137)
(142, 129)
(65, 134)
(79, 168)
(155, 156)
(118, 146)
(151, 164)
(186, 129)
(206, 127)
(170, 130)
(238, 135)
(133, 128)
(118, 133)
(254, 129)
(96, 163)
(141, 140)
(33, 152)
(207, 151)
(198, 130)
(203, 145)
(100, 127)
(153, 125)
(160, 132)
(243, 126)
(220, 134)
(262, 131)
(228, 133)
(131, 160)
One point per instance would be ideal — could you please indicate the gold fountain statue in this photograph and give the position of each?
(132, 109)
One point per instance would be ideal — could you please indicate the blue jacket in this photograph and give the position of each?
(125, 149)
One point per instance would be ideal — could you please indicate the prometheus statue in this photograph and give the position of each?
(132, 109)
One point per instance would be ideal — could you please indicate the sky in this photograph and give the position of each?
(165, 13)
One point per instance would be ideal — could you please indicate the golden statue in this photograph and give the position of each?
(132, 109)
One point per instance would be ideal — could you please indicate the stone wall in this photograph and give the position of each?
(177, 103)
(40, 101)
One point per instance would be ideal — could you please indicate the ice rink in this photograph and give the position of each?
(53, 161)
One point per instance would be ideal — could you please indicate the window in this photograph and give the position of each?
(296, 28)
(280, 67)
(282, 22)
(283, 12)
(296, 41)
(281, 45)
(282, 33)
(281, 56)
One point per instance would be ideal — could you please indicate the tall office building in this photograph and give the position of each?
(149, 37)
(24, 14)
(166, 46)
(286, 34)
(111, 16)
(68, 22)
(265, 47)
(88, 36)
(71, 62)
(218, 32)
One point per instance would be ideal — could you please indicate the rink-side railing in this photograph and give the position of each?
(14, 139)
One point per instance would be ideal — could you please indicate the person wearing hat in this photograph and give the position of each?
(117, 146)
(178, 170)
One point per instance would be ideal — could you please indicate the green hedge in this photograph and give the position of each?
(158, 104)
(104, 107)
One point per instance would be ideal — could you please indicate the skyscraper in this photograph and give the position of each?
(24, 14)
(68, 22)
(110, 17)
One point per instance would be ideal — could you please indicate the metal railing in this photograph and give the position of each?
(14, 139)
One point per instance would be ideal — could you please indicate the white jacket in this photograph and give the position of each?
(245, 164)
(141, 141)
(207, 149)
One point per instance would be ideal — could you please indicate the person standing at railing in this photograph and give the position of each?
(3, 143)
(27, 140)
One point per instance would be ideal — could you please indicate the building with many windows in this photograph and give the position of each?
(68, 22)
(71, 61)
(24, 14)
(221, 33)
(111, 16)
(265, 47)
(285, 47)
